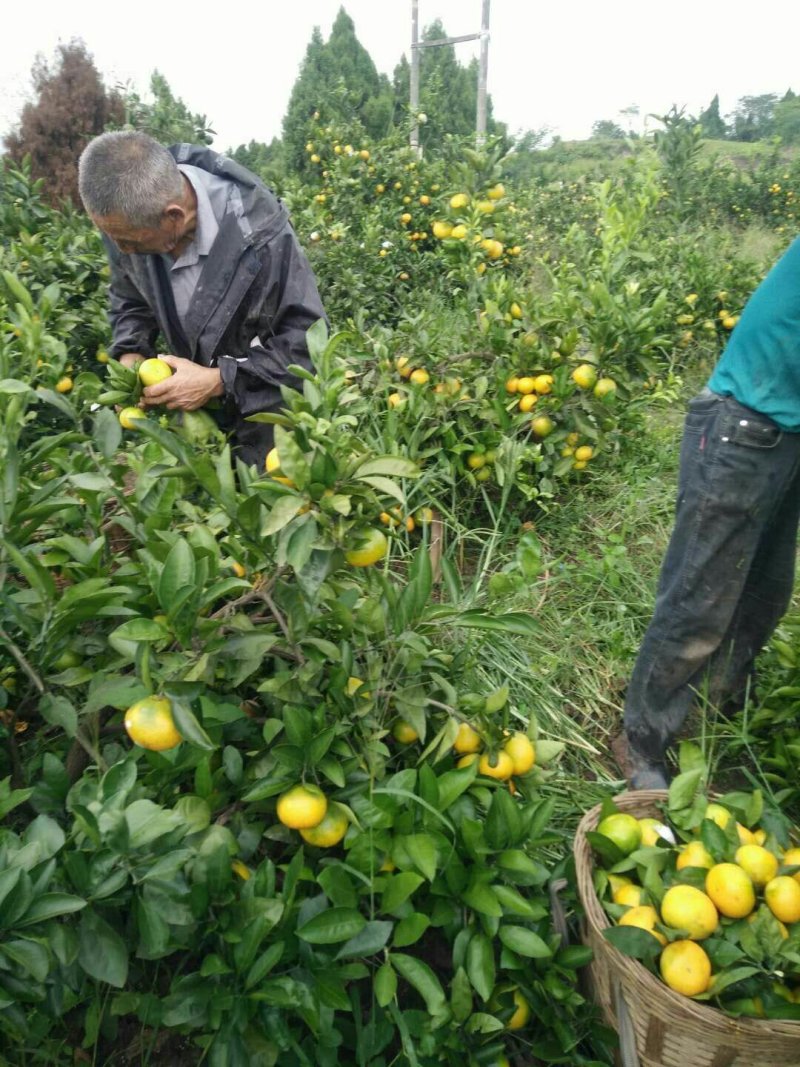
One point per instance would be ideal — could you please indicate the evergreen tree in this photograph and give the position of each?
(786, 124)
(754, 117)
(608, 129)
(72, 105)
(712, 123)
(339, 78)
(166, 117)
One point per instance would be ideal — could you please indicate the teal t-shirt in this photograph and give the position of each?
(760, 366)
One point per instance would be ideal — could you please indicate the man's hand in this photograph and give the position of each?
(190, 387)
(130, 359)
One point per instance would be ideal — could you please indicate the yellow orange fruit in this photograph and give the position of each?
(149, 723)
(128, 417)
(522, 752)
(153, 371)
(791, 858)
(522, 1012)
(302, 807)
(686, 968)
(758, 862)
(782, 896)
(330, 830)
(404, 732)
(64, 385)
(731, 890)
(695, 854)
(629, 896)
(645, 917)
(419, 377)
(370, 547)
(686, 908)
(721, 816)
(498, 765)
(528, 402)
(585, 376)
(623, 829)
(467, 739)
(542, 426)
(526, 385)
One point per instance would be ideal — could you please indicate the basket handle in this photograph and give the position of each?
(627, 1036)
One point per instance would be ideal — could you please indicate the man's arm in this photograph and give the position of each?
(133, 324)
(289, 304)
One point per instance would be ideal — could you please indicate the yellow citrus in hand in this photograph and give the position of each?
(623, 829)
(370, 547)
(467, 739)
(149, 723)
(695, 854)
(128, 417)
(522, 1012)
(523, 755)
(645, 917)
(153, 371)
(731, 890)
(686, 968)
(686, 908)
(331, 830)
(302, 807)
(499, 765)
(782, 895)
(759, 863)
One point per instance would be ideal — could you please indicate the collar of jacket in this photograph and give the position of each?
(260, 213)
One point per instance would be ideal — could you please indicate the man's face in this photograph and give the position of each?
(142, 240)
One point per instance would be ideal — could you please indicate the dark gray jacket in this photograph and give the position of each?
(255, 299)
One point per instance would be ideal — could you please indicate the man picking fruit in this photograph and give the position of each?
(202, 252)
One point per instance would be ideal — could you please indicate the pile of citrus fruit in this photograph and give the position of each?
(719, 904)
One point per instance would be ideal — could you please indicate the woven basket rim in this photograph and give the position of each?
(645, 803)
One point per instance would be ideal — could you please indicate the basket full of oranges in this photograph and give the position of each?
(692, 909)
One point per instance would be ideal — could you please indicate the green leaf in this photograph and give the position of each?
(422, 978)
(497, 700)
(281, 514)
(332, 926)
(632, 941)
(524, 942)
(421, 850)
(59, 711)
(28, 955)
(410, 930)
(387, 466)
(385, 985)
(141, 630)
(371, 939)
(481, 965)
(460, 996)
(513, 622)
(102, 953)
(683, 788)
(178, 573)
(399, 889)
(188, 726)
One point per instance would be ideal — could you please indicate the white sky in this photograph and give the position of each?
(560, 65)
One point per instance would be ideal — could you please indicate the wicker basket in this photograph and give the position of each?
(657, 1026)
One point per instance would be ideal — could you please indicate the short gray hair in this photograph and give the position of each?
(128, 173)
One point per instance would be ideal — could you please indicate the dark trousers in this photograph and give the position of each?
(728, 573)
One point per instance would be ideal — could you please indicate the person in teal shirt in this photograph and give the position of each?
(728, 573)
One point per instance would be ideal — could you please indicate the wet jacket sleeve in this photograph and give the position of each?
(133, 325)
(285, 302)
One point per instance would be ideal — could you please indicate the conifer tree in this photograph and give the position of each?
(71, 106)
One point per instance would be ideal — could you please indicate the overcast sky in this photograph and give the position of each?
(560, 66)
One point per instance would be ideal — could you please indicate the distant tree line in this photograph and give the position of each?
(755, 118)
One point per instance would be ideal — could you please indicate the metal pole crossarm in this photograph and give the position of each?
(448, 40)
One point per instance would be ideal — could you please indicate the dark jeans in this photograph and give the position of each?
(728, 573)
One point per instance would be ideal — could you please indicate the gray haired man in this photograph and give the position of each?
(201, 252)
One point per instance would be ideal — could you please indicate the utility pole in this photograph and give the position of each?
(416, 45)
(483, 70)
